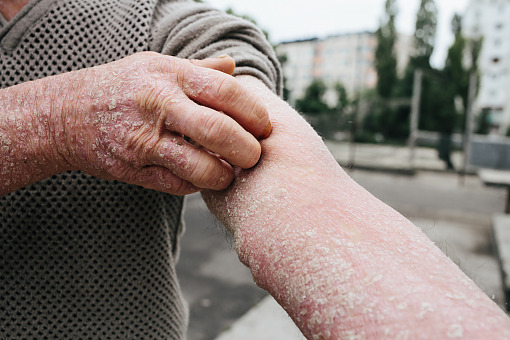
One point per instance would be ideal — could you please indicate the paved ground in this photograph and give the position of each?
(455, 212)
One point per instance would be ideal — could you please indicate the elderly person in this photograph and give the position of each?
(95, 91)
(87, 257)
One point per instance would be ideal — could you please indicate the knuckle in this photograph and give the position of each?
(161, 179)
(225, 137)
(123, 173)
(148, 98)
(151, 99)
(220, 133)
(201, 172)
(208, 173)
(140, 142)
(212, 128)
(156, 105)
(184, 188)
(228, 90)
(181, 69)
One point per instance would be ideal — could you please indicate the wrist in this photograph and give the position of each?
(50, 114)
(27, 141)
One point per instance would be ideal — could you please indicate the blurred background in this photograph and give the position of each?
(412, 98)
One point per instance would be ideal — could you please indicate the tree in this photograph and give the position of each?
(455, 86)
(425, 34)
(385, 58)
(313, 101)
(424, 37)
(283, 59)
(327, 120)
(456, 74)
(342, 98)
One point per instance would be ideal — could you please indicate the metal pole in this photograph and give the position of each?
(415, 114)
(352, 136)
(468, 132)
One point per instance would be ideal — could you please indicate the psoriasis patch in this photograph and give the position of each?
(425, 308)
(455, 331)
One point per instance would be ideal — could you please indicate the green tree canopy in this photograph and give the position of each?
(343, 101)
(425, 33)
(385, 58)
(313, 100)
(454, 69)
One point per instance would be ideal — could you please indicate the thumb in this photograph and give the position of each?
(224, 63)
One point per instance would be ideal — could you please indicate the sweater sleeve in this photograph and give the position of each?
(187, 29)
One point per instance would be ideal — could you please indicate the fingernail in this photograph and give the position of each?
(266, 132)
(223, 56)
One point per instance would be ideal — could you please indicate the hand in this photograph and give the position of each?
(342, 263)
(128, 120)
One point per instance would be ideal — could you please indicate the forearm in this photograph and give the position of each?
(337, 259)
(27, 152)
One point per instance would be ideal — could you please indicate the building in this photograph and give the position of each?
(490, 20)
(345, 58)
(299, 68)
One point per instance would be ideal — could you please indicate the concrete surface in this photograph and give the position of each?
(455, 212)
(266, 320)
(501, 238)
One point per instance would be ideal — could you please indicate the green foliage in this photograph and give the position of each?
(283, 58)
(432, 101)
(392, 123)
(483, 124)
(342, 98)
(425, 34)
(381, 119)
(313, 102)
(385, 58)
(326, 120)
(457, 81)
(437, 109)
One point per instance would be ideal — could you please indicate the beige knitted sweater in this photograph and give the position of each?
(82, 257)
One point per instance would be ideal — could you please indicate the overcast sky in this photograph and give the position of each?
(296, 19)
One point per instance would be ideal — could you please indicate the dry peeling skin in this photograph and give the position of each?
(343, 264)
(25, 148)
(125, 121)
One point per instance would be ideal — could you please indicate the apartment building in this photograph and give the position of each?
(343, 58)
(490, 19)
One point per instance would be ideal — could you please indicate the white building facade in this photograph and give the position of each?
(346, 58)
(490, 20)
(299, 69)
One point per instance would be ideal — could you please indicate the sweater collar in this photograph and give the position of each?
(12, 31)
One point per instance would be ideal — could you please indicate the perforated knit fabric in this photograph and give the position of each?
(82, 257)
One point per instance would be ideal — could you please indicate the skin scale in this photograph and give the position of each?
(124, 120)
(340, 262)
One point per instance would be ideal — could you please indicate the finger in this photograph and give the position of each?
(161, 179)
(216, 132)
(224, 93)
(224, 63)
(192, 164)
